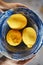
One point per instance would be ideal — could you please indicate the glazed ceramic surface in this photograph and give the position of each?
(21, 52)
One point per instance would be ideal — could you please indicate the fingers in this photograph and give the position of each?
(2, 3)
(12, 62)
(14, 5)
(18, 5)
(3, 6)
(1, 11)
(7, 6)
(24, 61)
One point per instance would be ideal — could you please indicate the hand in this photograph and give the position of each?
(6, 6)
(6, 61)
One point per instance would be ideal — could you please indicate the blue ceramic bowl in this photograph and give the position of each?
(24, 52)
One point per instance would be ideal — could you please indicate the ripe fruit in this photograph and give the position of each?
(29, 36)
(13, 37)
(17, 21)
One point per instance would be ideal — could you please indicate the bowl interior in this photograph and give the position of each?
(22, 50)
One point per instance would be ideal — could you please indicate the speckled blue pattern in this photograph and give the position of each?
(4, 27)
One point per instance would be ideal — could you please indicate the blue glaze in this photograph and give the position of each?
(4, 27)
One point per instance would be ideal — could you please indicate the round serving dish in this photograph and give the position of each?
(20, 53)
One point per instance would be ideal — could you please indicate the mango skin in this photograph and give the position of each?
(29, 36)
(13, 37)
(17, 21)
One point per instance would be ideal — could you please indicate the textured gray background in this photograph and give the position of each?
(35, 6)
